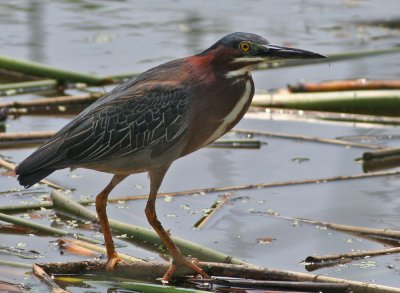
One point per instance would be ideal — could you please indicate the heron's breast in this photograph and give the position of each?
(234, 115)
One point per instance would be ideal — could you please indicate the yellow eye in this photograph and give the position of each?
(244, 47)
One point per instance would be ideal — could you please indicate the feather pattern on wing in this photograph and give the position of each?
(132, 118)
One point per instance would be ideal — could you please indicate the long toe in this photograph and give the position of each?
(112, 262)
(193, 264)
(189, 263)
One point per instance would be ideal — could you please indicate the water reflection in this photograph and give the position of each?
(37, 36)
(191, 26)
(221, 165)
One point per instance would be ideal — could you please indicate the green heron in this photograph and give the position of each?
(147, 123)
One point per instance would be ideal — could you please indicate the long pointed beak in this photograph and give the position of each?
(279, 52)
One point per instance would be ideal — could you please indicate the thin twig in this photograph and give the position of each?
(307, 138)
(262, 185)
(346, 228)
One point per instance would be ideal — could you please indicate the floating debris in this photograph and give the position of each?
(20, 252)
(265, 240)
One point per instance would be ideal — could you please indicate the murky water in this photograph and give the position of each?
(106, 37)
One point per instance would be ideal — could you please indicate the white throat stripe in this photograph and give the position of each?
(232, 115)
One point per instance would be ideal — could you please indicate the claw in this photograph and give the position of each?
(189, 263)
(112, 261)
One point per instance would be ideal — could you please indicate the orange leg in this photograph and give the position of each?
(101, 204)
(156, 177)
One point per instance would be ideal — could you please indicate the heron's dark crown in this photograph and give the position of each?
(232, 41)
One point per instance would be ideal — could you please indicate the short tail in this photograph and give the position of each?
(29, 179)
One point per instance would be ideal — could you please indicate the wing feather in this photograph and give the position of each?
(129, 123)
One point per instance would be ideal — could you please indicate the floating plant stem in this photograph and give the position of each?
(372, 101)
(19, 88)
(318, 259)
(236, 144)
(38, 69)
(45, 229)
(156, 270)
(15, 264)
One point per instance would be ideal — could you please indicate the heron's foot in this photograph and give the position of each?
(112, 261)
(190, 263)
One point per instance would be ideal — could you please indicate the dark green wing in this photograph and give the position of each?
(123, 123)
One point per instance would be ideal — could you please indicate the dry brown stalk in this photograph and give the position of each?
(43, 102)
(82, 247)
(17, 136)
(24, 139)
(345, 85)
(42, 275)
(215, 207)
